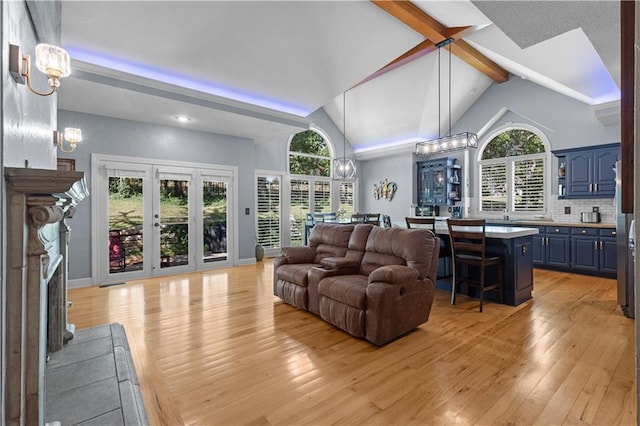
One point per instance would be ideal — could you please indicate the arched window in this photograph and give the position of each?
(309, 155)
(512, 172)
(310, 173)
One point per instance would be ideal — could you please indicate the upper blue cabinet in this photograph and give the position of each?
(588, 172)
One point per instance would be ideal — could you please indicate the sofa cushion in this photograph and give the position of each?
(329, 240)
(398, 246)
(348, 289)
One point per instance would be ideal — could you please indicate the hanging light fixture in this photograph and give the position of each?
(448, 143)
(344, 167)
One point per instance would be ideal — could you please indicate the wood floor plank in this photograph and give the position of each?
(218, 348)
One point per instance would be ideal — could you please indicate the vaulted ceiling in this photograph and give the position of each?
(258, 69)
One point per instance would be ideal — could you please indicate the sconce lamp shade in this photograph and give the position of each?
(344, 168)
(53, 61)
(451, 143)
(71, 135)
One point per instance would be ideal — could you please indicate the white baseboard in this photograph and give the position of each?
(80, 282)
(249, 261)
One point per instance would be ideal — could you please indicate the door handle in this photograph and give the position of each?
(156, 224)
(590, 187)
(595, 185)
(601, 245)
(595, 245)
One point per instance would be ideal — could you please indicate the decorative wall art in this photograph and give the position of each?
(386, 190)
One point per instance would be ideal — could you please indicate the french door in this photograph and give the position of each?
(162, 219)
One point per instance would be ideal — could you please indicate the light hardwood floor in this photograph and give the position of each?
(219, 348)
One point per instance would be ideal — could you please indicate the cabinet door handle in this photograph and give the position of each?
(595, 185)
(595, 245)
(584, 231)
(601, 245)
(590, 187)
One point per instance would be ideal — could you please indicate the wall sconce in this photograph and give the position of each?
(71, 135)
(51, 60)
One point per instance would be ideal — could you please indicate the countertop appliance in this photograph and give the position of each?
(626, 293)
(590, 217)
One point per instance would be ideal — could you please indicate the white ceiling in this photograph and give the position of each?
(258, 69)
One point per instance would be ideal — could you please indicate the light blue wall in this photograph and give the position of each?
(272, 155)
(28, 120)
(566, 123)
(103, 135)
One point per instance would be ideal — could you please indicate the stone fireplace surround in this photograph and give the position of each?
(38, 203)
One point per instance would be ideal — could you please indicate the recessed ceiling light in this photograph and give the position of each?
(183, 118)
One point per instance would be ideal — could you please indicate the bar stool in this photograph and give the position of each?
(444, 253)
(468, 248)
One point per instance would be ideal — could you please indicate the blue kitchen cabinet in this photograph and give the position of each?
(552, 247)
(594, 250)
(589, 172)
(439, 182)
(608, 252)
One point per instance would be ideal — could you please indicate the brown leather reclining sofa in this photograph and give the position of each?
(374, 283)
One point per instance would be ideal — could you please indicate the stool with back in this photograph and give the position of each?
(430, 223)
(468, 249)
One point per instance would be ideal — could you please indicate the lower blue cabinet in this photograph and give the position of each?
(579, 249)
(594, 250)
(552, 247)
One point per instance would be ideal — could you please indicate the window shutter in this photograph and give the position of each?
(322, 196)
(494, 187)
(300, 194)
(268, 214)
(346, 199)
(528, 185)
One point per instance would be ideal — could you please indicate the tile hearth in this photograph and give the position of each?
(92, 381)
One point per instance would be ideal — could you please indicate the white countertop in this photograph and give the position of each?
(495, 231)
(504, 232)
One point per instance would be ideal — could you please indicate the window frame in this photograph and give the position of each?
(546, 157)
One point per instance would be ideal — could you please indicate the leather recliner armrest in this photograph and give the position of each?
(299, 254)
(394, 274)
(340, 263)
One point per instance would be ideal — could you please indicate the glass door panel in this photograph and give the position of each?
(214, 217)
(174, 234)
(174, 223)
(126, 230)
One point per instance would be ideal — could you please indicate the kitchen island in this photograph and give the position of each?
(514, 244)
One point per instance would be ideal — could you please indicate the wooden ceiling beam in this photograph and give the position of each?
(471, 56)
(416, 19)
(420, 50)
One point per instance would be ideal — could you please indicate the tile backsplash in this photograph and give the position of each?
(607, 209)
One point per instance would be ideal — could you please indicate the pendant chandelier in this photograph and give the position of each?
(344, 167)
(448, 143)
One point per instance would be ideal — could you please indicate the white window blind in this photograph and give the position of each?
(268, 211)
(528, 185)
(300, 203)
(322, 196)
(493, 179)
(346, 199)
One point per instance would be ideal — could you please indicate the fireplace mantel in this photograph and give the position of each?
(38, 203)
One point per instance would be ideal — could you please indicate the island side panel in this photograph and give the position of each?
(517, 270)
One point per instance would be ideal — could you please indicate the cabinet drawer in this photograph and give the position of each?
(585, 231)
(557, 230)
(609, 232)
